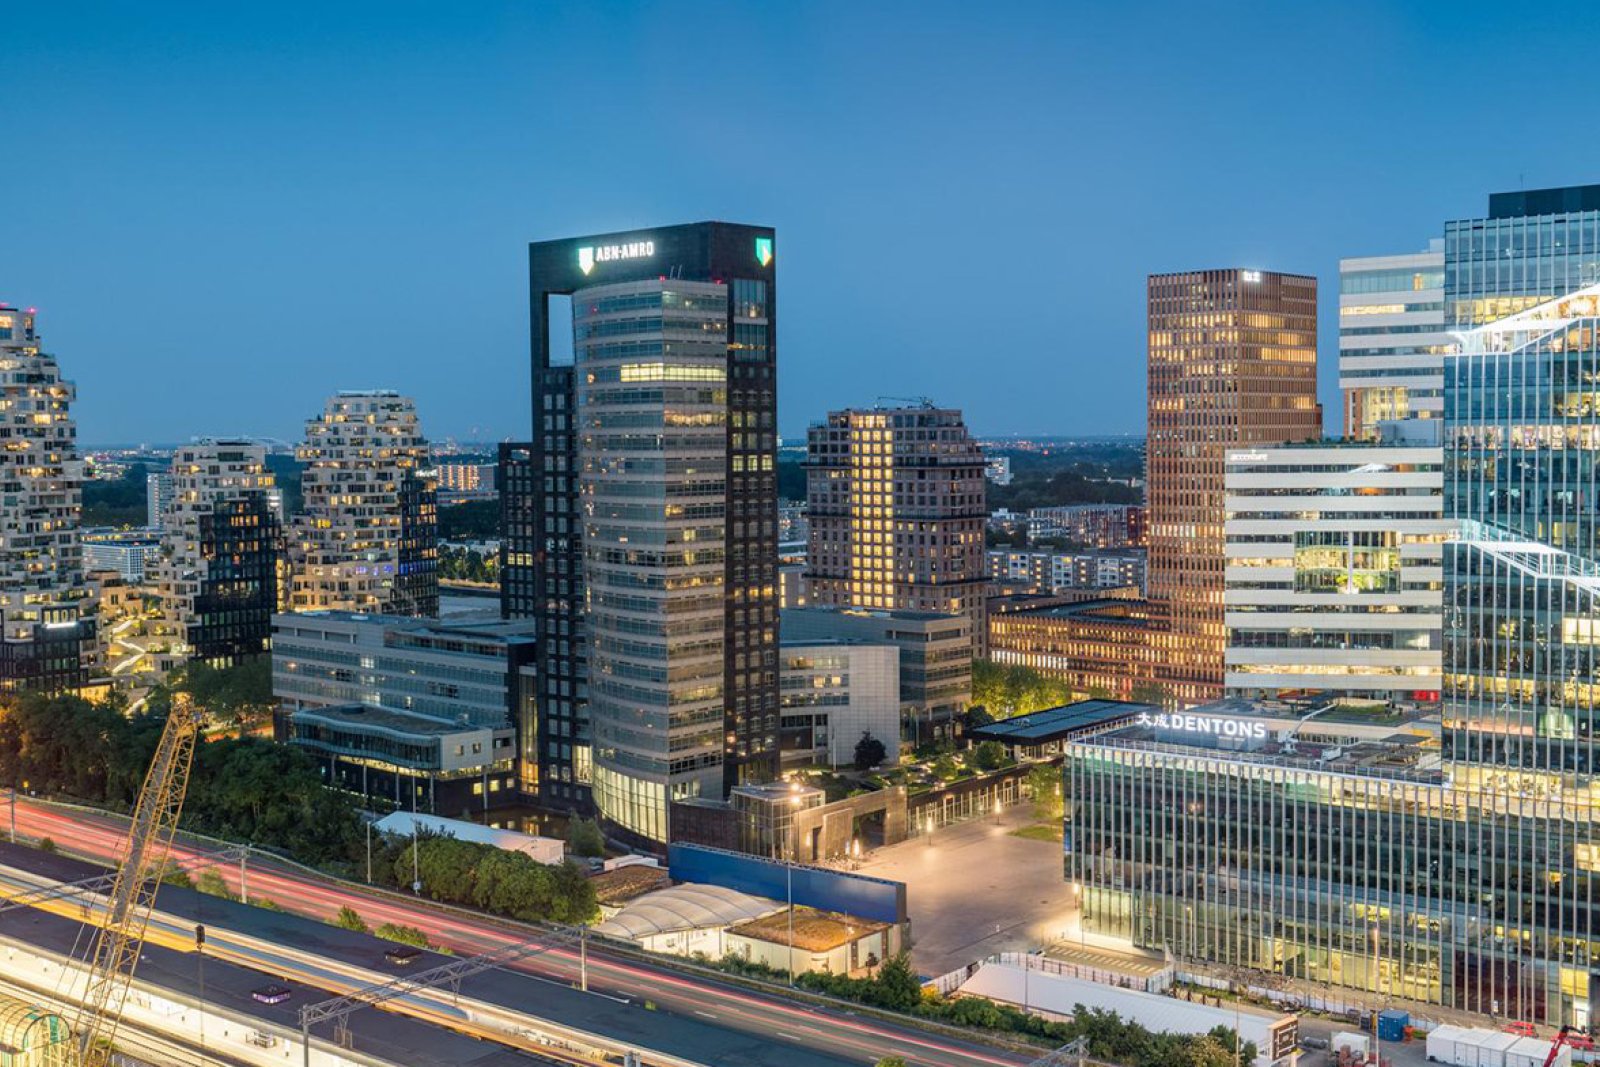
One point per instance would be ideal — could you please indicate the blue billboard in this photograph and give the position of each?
(813, 887)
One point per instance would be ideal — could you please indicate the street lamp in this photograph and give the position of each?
(1377, 1035)
(788, 869)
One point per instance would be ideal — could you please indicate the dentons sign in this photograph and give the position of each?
(1205, 724)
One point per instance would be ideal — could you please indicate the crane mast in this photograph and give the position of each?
(143, 861)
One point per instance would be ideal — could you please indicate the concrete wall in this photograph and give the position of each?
(881, 944)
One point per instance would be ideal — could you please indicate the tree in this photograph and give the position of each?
(945, 768)
(989, 756)
(869, 752)
(892, 1061)
(584, 838)
(172, 874)
(349, 919)
(213, 884)
(1005, 691)
(1044, 786)
(897, 984)
(975, 717)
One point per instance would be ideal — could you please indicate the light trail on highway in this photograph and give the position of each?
(769, 1017)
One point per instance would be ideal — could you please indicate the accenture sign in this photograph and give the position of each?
(1206, 724)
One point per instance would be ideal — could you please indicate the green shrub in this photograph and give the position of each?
(349, 919)
(406, 935)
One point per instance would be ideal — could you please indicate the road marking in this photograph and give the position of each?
(791, 1037)
(706, 1014)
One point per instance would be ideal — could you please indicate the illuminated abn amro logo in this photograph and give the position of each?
(764, 251)
(1205, 724)
(590, 255)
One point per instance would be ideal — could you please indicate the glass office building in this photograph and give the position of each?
(1336, 855)
(649, 550)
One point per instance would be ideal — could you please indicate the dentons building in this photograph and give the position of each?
(1455, 862)
(650, 554)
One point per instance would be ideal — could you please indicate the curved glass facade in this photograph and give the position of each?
(651, 362)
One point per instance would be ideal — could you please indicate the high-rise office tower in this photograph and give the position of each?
(158, 497)
(46, 609)
(1522, 622)
(367, 539)
(1232, 363)
(897, 502)
(221, 544)
(1392, 339)
(652, 564)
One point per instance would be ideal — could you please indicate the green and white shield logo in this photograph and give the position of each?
(586, 259)
(764, 250)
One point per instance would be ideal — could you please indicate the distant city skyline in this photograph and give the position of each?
(228, 214)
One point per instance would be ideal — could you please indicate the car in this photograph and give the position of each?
(272, 994)
(1521, 1029)
(402, 955)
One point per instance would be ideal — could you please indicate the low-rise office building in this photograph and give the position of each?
(1334, 579)
(1090, 525)
(130, 553)
(1044, 571)
(1345, 854)
(832, 693)
(415, 762)
(432, 688)
(1104, 646)
(935, 658)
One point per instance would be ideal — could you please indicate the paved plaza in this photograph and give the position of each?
(976, 890)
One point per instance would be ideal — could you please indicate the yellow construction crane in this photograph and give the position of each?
(143, 861)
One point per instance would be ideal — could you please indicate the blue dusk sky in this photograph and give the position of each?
(225, 212)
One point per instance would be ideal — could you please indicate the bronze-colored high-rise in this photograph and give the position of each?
(1232, 363)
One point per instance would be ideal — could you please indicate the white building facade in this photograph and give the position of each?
(1392, 339)
(1333, 572)
(832, 694)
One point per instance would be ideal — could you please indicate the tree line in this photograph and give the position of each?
(249, 789)
(1110, 1037)
(461, 564)
(481, 876)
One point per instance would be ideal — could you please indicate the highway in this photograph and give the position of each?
(756, 1027)
(185, 1008)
